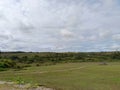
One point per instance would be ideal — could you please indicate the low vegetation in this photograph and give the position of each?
(26, 59)
(62, 71)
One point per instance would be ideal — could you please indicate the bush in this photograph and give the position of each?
(3, 69)
(37, 65)
(7, 63)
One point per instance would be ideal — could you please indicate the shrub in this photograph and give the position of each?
(7, 63)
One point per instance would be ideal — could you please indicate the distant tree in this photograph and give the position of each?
(15, 57)
(0, 54)
(23, 59)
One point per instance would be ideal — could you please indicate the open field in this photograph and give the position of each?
(69, 76)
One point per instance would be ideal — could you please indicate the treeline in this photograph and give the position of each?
(14, 59)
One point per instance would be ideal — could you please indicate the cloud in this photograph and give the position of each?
(115, 47)
(25, 27)
(67, 34)
(59, 25)
(116, 37)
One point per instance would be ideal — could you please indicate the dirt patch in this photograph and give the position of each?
(12, 86)
(41, 88)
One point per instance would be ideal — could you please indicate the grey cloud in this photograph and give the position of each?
(59, 25)
(4, 37)
(25, 27)
(116, 37)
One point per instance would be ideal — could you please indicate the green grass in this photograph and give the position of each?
(70, 76)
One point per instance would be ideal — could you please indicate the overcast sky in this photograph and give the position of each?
(59, 25)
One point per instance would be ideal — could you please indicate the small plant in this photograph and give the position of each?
(37, 65)
(20, 81)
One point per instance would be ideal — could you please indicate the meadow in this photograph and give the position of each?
(69, 76)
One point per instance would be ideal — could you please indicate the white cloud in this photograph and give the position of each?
(67, 34)
(58, 24)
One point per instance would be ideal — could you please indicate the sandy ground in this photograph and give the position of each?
(12, 86)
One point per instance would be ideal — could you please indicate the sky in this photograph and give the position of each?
(60, 25)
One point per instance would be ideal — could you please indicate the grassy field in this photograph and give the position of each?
(69, 76)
